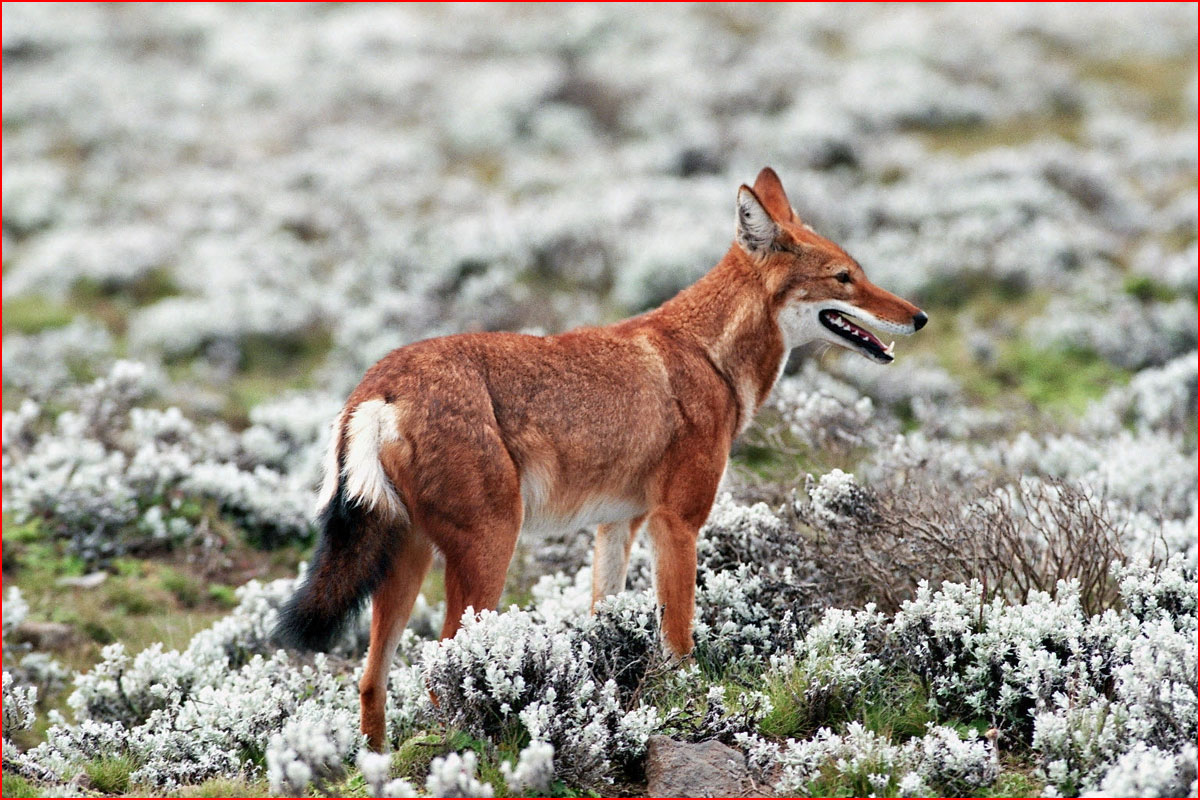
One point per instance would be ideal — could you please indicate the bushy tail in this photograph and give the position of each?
(353, 557)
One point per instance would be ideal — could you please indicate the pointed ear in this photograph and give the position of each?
(755, 228)
(770, 191)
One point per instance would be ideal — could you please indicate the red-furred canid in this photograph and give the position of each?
(459, 442)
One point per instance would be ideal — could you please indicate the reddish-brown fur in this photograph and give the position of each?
(640, 414)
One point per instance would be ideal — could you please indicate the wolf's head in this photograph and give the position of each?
(818, 292)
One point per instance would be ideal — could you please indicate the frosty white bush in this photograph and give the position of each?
(19, 702)
(43, 364)
(534, 769)
(15, 611)
(38, 671)
(623, 640)
(941, 761)
(128, 690)
(111, 477)
(216, 729)
(454, 776)
(1127, 332)
(1159, 398)
(1149, 772)
(183, 716)
(820, 412)
(311, 748)
(374, 768)
(506, 670)
(1083, 690)
(754, 593)
(836, 661)
(701, 710)
(20, 713)
(990, 659)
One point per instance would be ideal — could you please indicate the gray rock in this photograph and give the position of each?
(45, 635)
(707, 769)
(89, 581)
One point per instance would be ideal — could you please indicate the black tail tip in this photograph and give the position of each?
(299, 628)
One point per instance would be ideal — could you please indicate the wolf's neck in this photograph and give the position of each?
(728, 314)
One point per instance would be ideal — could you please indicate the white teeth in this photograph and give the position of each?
(842, 323)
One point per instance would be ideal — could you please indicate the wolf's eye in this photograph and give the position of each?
(843, 277)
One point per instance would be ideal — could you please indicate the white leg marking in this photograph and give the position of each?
(609, 564)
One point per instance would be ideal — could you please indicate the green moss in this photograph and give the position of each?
(1157, 84)
(129, 567)
(1145, 288)
(186, 589)
(112, 301)
(98, 632)
(135, 610)
(128, 598)
(43, 557)
(281, 355)
(33, 313)
(353, 785)
(761, 459)
(25, 532)
(269, 366)
(1014, 373)
(110, 775)
(1015, 783)
(16, 786)
(412, 759)
(149, 287)
(222, 595)
(962, 290)
(1057, 378)
(968, 138)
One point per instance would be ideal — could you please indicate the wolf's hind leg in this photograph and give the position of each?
(390, 607)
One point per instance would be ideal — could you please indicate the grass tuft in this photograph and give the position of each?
(898, 708)
(16, 786)
(110, 775)
(227, 787)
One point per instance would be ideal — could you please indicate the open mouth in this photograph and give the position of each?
(858, 337)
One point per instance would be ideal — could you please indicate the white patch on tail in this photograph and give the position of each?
(372, 425)
(330, 479)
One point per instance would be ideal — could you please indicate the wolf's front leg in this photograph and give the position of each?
(611, 561)
(674, 542)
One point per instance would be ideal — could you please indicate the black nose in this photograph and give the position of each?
(919, 320)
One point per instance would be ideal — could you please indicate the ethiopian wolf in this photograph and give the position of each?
(456, 443)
